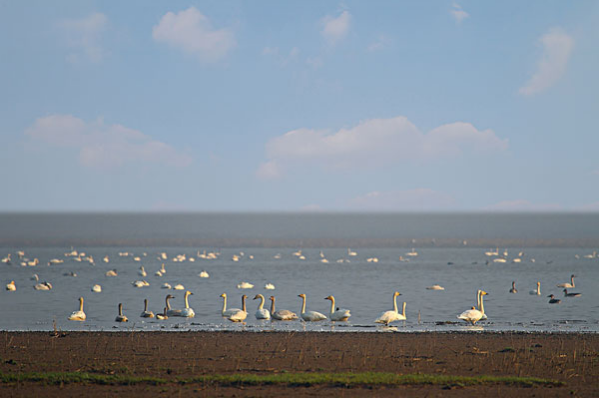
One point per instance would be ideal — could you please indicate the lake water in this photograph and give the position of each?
(451, 252)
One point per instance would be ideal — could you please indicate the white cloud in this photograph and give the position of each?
(557, 46)
(379, 142)
(522, 205)
(269, 171)
(419, 199)
(84, 36)
(192, 32)
(282, 59)
(382, 42)
(458, 13)
(336, 29)
(104, 147)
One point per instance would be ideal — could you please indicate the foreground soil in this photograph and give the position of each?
(570, 359)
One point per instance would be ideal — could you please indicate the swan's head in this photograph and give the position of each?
(551, 296)
(244, 297)
(565, 290)
(397, 294)
(572, 275)
(538, 283)
(223, 295)
(170, 296)
(329, 297)
(188, 293)
(258, 296)
(484, 293)
(302, 295)
(272, 298)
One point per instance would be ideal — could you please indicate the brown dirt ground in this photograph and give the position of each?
(571, 358)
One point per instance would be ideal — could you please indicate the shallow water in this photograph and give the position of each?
(364, 287)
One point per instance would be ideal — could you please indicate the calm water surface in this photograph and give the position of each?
(561, 245)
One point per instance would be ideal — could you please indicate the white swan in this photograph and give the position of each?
(147, 313)
(339, 314)
(261, 313)
(161, 272)
(435, 287)
(203, 274)
(97, 288)
(269, 286)
(11, 286)
(473, 315)
(140, 283)
(227, 312)
(536, 291)
(78, 315)
(240, 315)
(568, 285)
(166, 286)
(479, 305)
(179, 287)
(187, 311)
(244, 285)
(310, 315)
(142, 272)
(282, 314)
(111, 273)
(44, 286)
(392, 315)
(171, 312)
(121, 318)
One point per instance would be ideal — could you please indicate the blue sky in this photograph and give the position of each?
(294, 106)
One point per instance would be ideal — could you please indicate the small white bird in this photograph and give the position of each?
(142, 271)
(11, 286)
(97, 288)
(204, 274)
(111, 273)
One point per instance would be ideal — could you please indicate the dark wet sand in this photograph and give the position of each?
(570, 358)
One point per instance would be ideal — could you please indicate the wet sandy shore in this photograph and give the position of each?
(168, 362)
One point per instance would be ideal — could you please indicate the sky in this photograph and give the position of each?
(270, 106)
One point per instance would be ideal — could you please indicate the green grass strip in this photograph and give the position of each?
(290, 379)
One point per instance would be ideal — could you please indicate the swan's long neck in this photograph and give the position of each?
(395, 304)
(262, 302)
(303, 304)
(572, 282)
(145, 305)
(224, 303)
(538, 290)
(272, 305)
(404, 309)
(481, 303)
(167, 303)
(185, 298)
(244, 303)
(120, 309)
(81, 304)
(332, 305)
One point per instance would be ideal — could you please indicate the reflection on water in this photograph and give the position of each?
(364, 287)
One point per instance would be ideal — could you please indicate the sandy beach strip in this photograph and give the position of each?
(298, 364)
